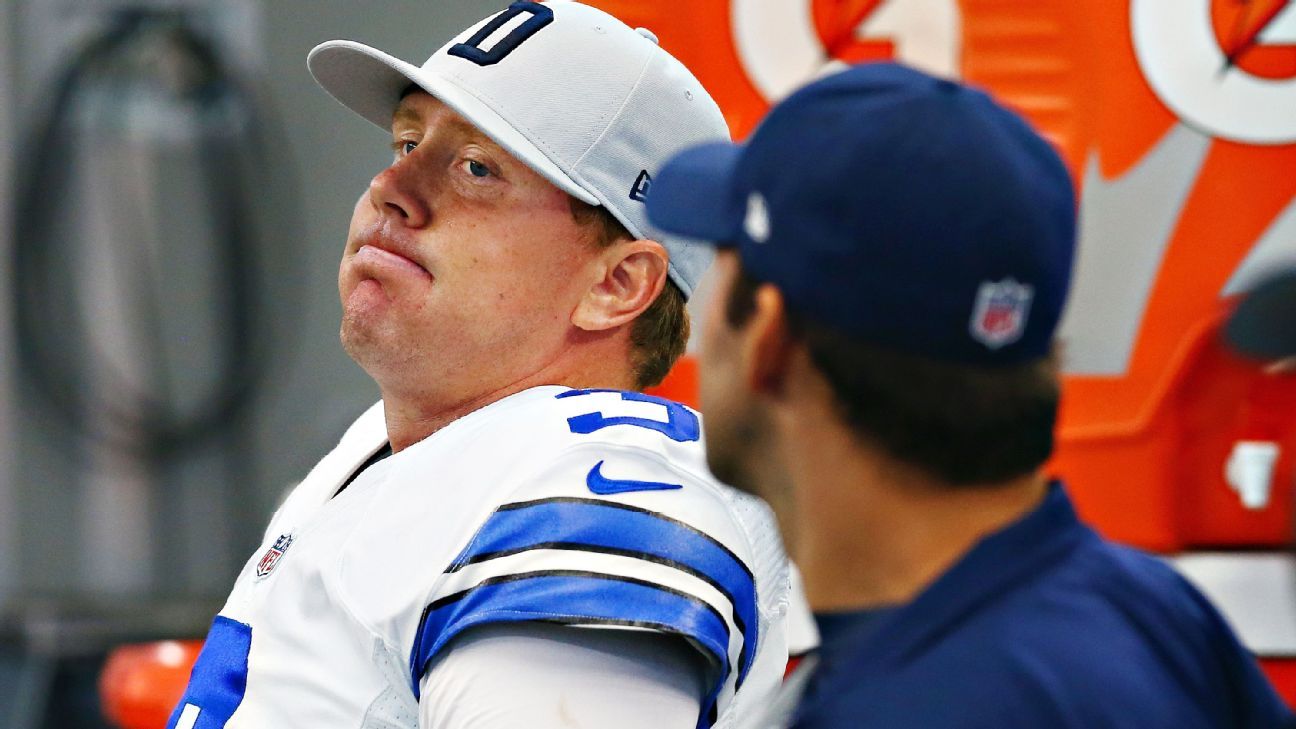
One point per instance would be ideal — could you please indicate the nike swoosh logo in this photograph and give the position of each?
(604, 486)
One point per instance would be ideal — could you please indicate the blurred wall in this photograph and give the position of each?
(8, 497)
(53, 516)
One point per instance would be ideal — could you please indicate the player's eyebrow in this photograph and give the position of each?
(406, 115)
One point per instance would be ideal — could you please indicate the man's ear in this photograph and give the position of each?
(767, 343)
(628, 277)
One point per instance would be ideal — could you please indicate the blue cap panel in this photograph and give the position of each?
(911, 212)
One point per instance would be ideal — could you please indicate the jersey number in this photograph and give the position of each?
(471, 49)
(681, 424)
(219, 678)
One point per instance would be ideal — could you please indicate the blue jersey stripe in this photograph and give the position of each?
(570, 596)
(218, 681)
(601, 526)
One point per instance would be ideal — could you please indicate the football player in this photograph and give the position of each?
(515, 535)
(879, 362)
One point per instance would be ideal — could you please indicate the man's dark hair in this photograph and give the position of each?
(965, 425)
(660, 334)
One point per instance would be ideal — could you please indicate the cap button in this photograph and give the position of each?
(648, 34)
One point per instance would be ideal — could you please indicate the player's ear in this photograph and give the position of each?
(628, 277)
(768, 343)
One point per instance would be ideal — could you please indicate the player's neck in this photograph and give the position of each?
(891, 530)
(411, 417)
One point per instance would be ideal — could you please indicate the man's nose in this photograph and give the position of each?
(397, 193)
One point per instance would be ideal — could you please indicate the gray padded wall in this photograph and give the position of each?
(48, 518)
(8, 482)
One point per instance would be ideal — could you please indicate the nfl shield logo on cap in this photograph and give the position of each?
(999, 317)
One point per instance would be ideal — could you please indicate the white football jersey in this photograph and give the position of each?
(588, 508)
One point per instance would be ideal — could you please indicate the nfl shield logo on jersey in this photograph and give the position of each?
(999, 317)
(273, 555)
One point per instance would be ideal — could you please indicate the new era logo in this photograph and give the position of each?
(639, 191)
(756, 223)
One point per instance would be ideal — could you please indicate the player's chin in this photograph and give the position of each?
(365, 330)
(369, 308)
(360, 295)
(730, 468)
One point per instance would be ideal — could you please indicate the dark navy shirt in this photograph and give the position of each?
(839, 633)
(1045, 624)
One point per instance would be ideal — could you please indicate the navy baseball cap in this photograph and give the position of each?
(906, 211)
(1263, 325)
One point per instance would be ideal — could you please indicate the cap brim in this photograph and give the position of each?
(1264, 323)
(370, 82)
(694, 194)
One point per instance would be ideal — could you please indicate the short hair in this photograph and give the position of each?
(965, 425)
(660, 334)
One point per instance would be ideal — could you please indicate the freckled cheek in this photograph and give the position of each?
(523, 302)
(522, 264)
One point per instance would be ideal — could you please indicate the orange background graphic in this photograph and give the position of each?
(1143, 450)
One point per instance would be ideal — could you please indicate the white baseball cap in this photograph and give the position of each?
(595, 107)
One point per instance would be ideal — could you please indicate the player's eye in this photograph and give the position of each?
(403, 147)
(475, 168)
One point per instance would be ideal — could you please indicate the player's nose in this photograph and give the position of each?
(396, 193)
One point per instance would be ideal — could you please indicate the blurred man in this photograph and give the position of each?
(514, 536)
(879, 363)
